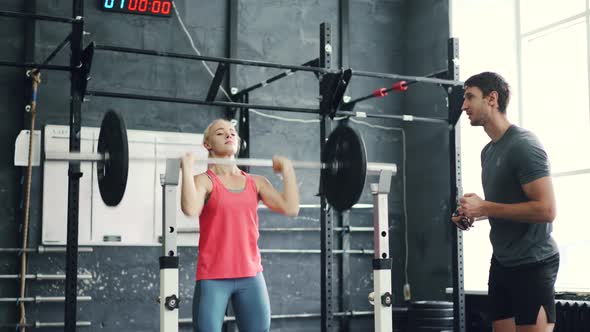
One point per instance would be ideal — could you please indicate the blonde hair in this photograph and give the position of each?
(207, 132)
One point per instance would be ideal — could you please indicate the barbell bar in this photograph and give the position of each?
(343, 167)
(254, 162)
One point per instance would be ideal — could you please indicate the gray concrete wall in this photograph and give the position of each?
(11, 112)
(386, 36)
(428, 157)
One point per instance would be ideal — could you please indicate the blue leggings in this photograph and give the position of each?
(249, 300)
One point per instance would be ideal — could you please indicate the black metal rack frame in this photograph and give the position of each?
(332, 84)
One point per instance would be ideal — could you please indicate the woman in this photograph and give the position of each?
(226, 201)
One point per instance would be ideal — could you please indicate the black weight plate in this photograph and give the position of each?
(112, 173)
(346, 161)
(431, 304)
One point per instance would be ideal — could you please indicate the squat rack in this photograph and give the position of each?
(332, 86)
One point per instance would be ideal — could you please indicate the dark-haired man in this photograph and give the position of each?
(520, 206)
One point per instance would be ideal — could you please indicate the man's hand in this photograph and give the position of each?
(461, 221)
(471, 206)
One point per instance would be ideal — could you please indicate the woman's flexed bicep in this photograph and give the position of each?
(194, 190)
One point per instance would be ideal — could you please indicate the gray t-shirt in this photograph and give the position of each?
(517, 158)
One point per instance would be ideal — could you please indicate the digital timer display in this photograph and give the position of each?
(142, 7)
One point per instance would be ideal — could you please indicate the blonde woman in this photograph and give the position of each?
(226, 200)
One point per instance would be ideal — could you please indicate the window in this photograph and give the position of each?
(553, 39)
(541, 48)
(555, 92)
(484, 45)
(538, 14)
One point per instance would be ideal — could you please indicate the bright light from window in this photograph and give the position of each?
(555, 93)
(555, 106)
(478, 55)
(572, 231)
(536, 14)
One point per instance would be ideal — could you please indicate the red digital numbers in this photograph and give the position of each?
(166, 7)
(143, 4)
(156, 6)
(153, 7)
(160, 7)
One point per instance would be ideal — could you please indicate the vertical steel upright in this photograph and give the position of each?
(344, 217)
(244, 129)
(169, 295)
(383, 299)
(455, 97)
(344, 291)
(326, 229)
(74, 173)
(244, 112)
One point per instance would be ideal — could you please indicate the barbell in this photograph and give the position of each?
(343, 168)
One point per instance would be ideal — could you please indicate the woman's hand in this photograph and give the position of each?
(280, 164)
(188, 160)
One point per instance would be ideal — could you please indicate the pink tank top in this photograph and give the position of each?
(228, 245)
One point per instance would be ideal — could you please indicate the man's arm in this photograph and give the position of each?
(539, 209)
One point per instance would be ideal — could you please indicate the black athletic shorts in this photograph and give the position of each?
(520, 291)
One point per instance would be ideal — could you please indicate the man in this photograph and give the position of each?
(520, 206)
